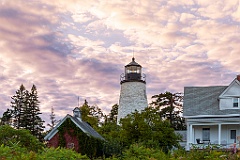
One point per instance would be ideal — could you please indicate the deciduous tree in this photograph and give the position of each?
(149, 129)
(113, 113)
(91, 114)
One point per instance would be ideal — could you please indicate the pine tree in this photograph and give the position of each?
(18, 104)
(24, 120)
(25, 112)
(6, 118)
(53, 119)
(35, 122)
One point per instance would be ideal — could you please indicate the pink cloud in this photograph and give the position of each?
(79, 48)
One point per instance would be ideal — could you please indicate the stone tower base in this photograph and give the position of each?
(132, 97)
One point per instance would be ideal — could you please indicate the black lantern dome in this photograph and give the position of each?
(133, 73)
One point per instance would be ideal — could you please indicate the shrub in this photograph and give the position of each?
(61, 153)
(13, 152)
(21, 137)
(139, 152)
(21, 153)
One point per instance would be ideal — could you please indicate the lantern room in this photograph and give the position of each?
(133, 72)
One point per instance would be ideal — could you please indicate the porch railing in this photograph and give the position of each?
(215, 146)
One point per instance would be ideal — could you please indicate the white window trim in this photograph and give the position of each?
(238, 102)
(230, 134)
(208, 133)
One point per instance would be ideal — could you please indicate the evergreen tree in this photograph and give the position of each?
(53, 119)
(7, 117)
(18, 104)
(25, 112)
(35, 122)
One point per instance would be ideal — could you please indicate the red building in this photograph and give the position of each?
(70, 131)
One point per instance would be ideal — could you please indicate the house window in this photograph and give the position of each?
(70, 145)
(235, 102)
(233, 134)
(206, 134)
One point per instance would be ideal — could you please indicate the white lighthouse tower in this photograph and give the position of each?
(133, 90)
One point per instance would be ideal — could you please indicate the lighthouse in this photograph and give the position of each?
(133, 90)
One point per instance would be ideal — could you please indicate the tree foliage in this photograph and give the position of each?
(149, 129)
(53, 120)
(35, 122)
(89, 145)
(16, 152)
(91, 114)
(169, 106)
(138, 151)
(19, 106)
(113, 113)
(10, 136)
(110, 131)
(25, 112)
(6, 118)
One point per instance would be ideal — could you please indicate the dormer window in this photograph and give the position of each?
(236, 102)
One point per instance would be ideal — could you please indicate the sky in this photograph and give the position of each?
(77, 48)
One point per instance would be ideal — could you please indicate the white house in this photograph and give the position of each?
(212, 114)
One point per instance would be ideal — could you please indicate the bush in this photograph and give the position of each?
(139, 152)
(13, 152)
(60, 153)
(20, 153)
(204, 154)
(21, 137)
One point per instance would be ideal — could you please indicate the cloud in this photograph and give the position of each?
(72, 49)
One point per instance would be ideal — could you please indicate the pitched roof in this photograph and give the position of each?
(203, 101)
(85, 127)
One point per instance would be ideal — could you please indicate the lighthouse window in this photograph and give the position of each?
(138, 70)
(132, 69)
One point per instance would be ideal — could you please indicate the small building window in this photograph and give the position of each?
(70, 145)
(233, 134)
(206, 134)
(235, 102)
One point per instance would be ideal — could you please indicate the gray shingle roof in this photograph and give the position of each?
(88, 128)
(85, 127)
(204, 101)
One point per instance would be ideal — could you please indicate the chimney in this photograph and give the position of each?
(238, 77)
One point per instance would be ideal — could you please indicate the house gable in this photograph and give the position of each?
(230, 96)
(83, 126)
(212, 101)
(72, 132)
(210, 113)
(202, 101)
